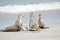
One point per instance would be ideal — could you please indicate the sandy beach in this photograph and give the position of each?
(15, 15)
(53, 33)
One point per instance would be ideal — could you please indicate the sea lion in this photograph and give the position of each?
(17, 26)
(32, 24)
(40, 23)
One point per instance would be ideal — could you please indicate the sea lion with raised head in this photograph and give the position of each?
(17, 26)
(32, 24)
(40, 23)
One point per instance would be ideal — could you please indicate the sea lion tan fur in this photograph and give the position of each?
(32, 24)
(17, 26)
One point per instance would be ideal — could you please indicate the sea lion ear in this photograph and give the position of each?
(39, 14)
(18, 15)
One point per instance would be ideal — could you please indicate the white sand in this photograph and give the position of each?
(53, 33)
